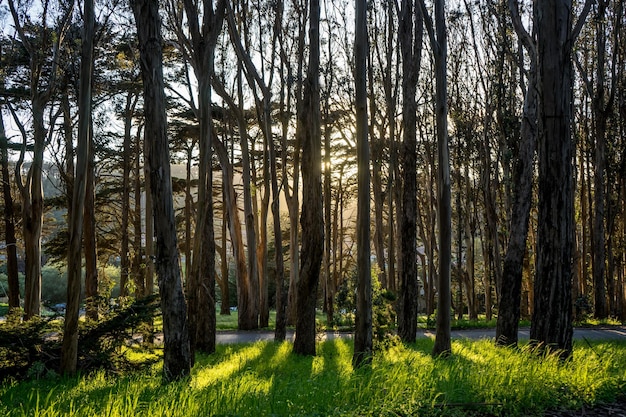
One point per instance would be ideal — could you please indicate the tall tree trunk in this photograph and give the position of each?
(281, 290)
(410, 33)
(512, 270)
(32, 213)
(201, 285)
(363, 345)
(69, 351)
(311, 220)
(510, 296)
(292, 194)
(248, 316)
(552, 315)
(444, 217)
(177, 354)
(599, 254)
(244, 297)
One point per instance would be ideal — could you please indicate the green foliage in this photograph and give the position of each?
(583, 307)
(32, 349)
(26, 345)
(383, 313)
(264, 379)
(4, 283)
(54, 284)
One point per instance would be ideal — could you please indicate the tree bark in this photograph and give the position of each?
(551, 325)
(363, 344)
(177, 354)
(510, 297)
(440, 48)
(69, 351)
(311, 220)
(410, 34)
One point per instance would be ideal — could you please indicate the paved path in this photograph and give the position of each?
(595, 333)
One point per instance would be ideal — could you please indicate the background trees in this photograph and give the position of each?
(253, 87)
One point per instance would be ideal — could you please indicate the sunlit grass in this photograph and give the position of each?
(590, 322)
(266, 378)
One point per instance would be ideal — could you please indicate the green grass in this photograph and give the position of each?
(266, 378)
(4, 309)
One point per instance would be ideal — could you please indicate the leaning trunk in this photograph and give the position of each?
(510, 296)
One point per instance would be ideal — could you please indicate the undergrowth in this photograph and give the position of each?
(266, 378)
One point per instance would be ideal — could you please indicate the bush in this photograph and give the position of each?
(383, 312)
(32, 349)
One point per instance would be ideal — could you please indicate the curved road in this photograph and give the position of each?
(580, 333)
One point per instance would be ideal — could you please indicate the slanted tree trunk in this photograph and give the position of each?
(311, 220)
(177, 354)
(510, 296)
(244, 297)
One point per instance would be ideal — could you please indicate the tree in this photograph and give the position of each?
(69, 353)
(199, 46)
(311, 220)
(42, 84)
(177, 354)
(439, 45)
(510, 296)
(410, 32)
(363, 325)
(551, 325)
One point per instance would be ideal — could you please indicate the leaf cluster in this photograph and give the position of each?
(33, 349)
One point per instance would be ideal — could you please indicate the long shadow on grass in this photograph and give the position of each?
(452, 383)
(273, 380)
